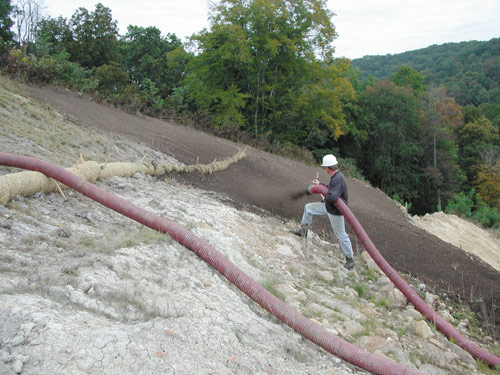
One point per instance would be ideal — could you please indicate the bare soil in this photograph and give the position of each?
(273, 184)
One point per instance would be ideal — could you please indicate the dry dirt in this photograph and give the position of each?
(463, 234)
(269, 183)
(86, 291)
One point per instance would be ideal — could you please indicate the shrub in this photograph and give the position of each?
(396, 198)
(56, 69)
(484, 215)
(461, 205)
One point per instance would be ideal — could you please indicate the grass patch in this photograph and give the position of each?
(110, 243)
(368, 274)
(485, 369)
(270, 284)
(369, 326)
(361, 289)
(380, 302)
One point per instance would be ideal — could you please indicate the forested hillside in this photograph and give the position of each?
(265, 73)
(469, 70)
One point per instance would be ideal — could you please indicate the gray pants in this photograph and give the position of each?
(336, 221)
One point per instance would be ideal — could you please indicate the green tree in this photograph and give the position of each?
(54, 36)
(491, 112)
(461, 204)
(389, 125)
(273, 55)
(469, 70)
(112, 79)
(321, 119)
(471, 113)
(487, 183)
(94, 37)
(478, 144)
(442, 116)
(145, 56)
(409, 77)
(6, 36)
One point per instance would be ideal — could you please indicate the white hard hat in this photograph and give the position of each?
(329, 161)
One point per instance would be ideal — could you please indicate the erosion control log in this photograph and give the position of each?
(312, 331)
(403, 286)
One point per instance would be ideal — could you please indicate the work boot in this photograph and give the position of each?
(349, 263)
(302, 231)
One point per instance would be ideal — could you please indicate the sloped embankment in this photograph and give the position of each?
(85, 291)
(464, 235)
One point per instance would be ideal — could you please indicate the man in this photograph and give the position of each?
(336, 189)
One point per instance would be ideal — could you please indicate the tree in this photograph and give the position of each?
(53, 36)
(6, 36)
(28, 16)
(94, 37)
(442, 116)
(321, 118)
(389, 154)
(146, 56)
(409, 77)
(471, 113)
(487, 183)
(469, 70)
(112, 79)
(478, 144)
(273, 55)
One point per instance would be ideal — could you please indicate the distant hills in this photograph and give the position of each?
(469, 70)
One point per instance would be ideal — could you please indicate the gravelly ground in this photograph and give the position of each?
(263, 181)
(84, 290)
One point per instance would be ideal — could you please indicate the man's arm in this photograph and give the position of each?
(334, 190)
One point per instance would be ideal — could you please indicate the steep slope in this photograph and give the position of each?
(85, 291)
(463, 234)
(268, 182)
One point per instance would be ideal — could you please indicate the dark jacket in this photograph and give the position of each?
(336, 189)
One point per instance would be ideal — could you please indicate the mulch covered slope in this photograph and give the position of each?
(263, 181)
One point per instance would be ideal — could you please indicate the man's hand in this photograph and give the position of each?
(316, 182)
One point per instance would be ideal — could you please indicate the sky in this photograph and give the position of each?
(364, 27)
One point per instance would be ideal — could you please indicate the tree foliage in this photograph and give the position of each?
(112, 78)
(90, 38)
(478, 143)
(389, 151)
(265, 71)
(53, 36)
(469, 70)
(145, 55)
(441, 118)
(409, 77)
(94, 37)
(487, 183)
(6, 35)
(267, 53)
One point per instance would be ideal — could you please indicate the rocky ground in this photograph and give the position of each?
(84, 290)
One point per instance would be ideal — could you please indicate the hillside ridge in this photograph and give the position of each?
(269, 182)
(68, 264)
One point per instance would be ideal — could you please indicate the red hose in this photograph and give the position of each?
(312, 331)
(397, 280)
